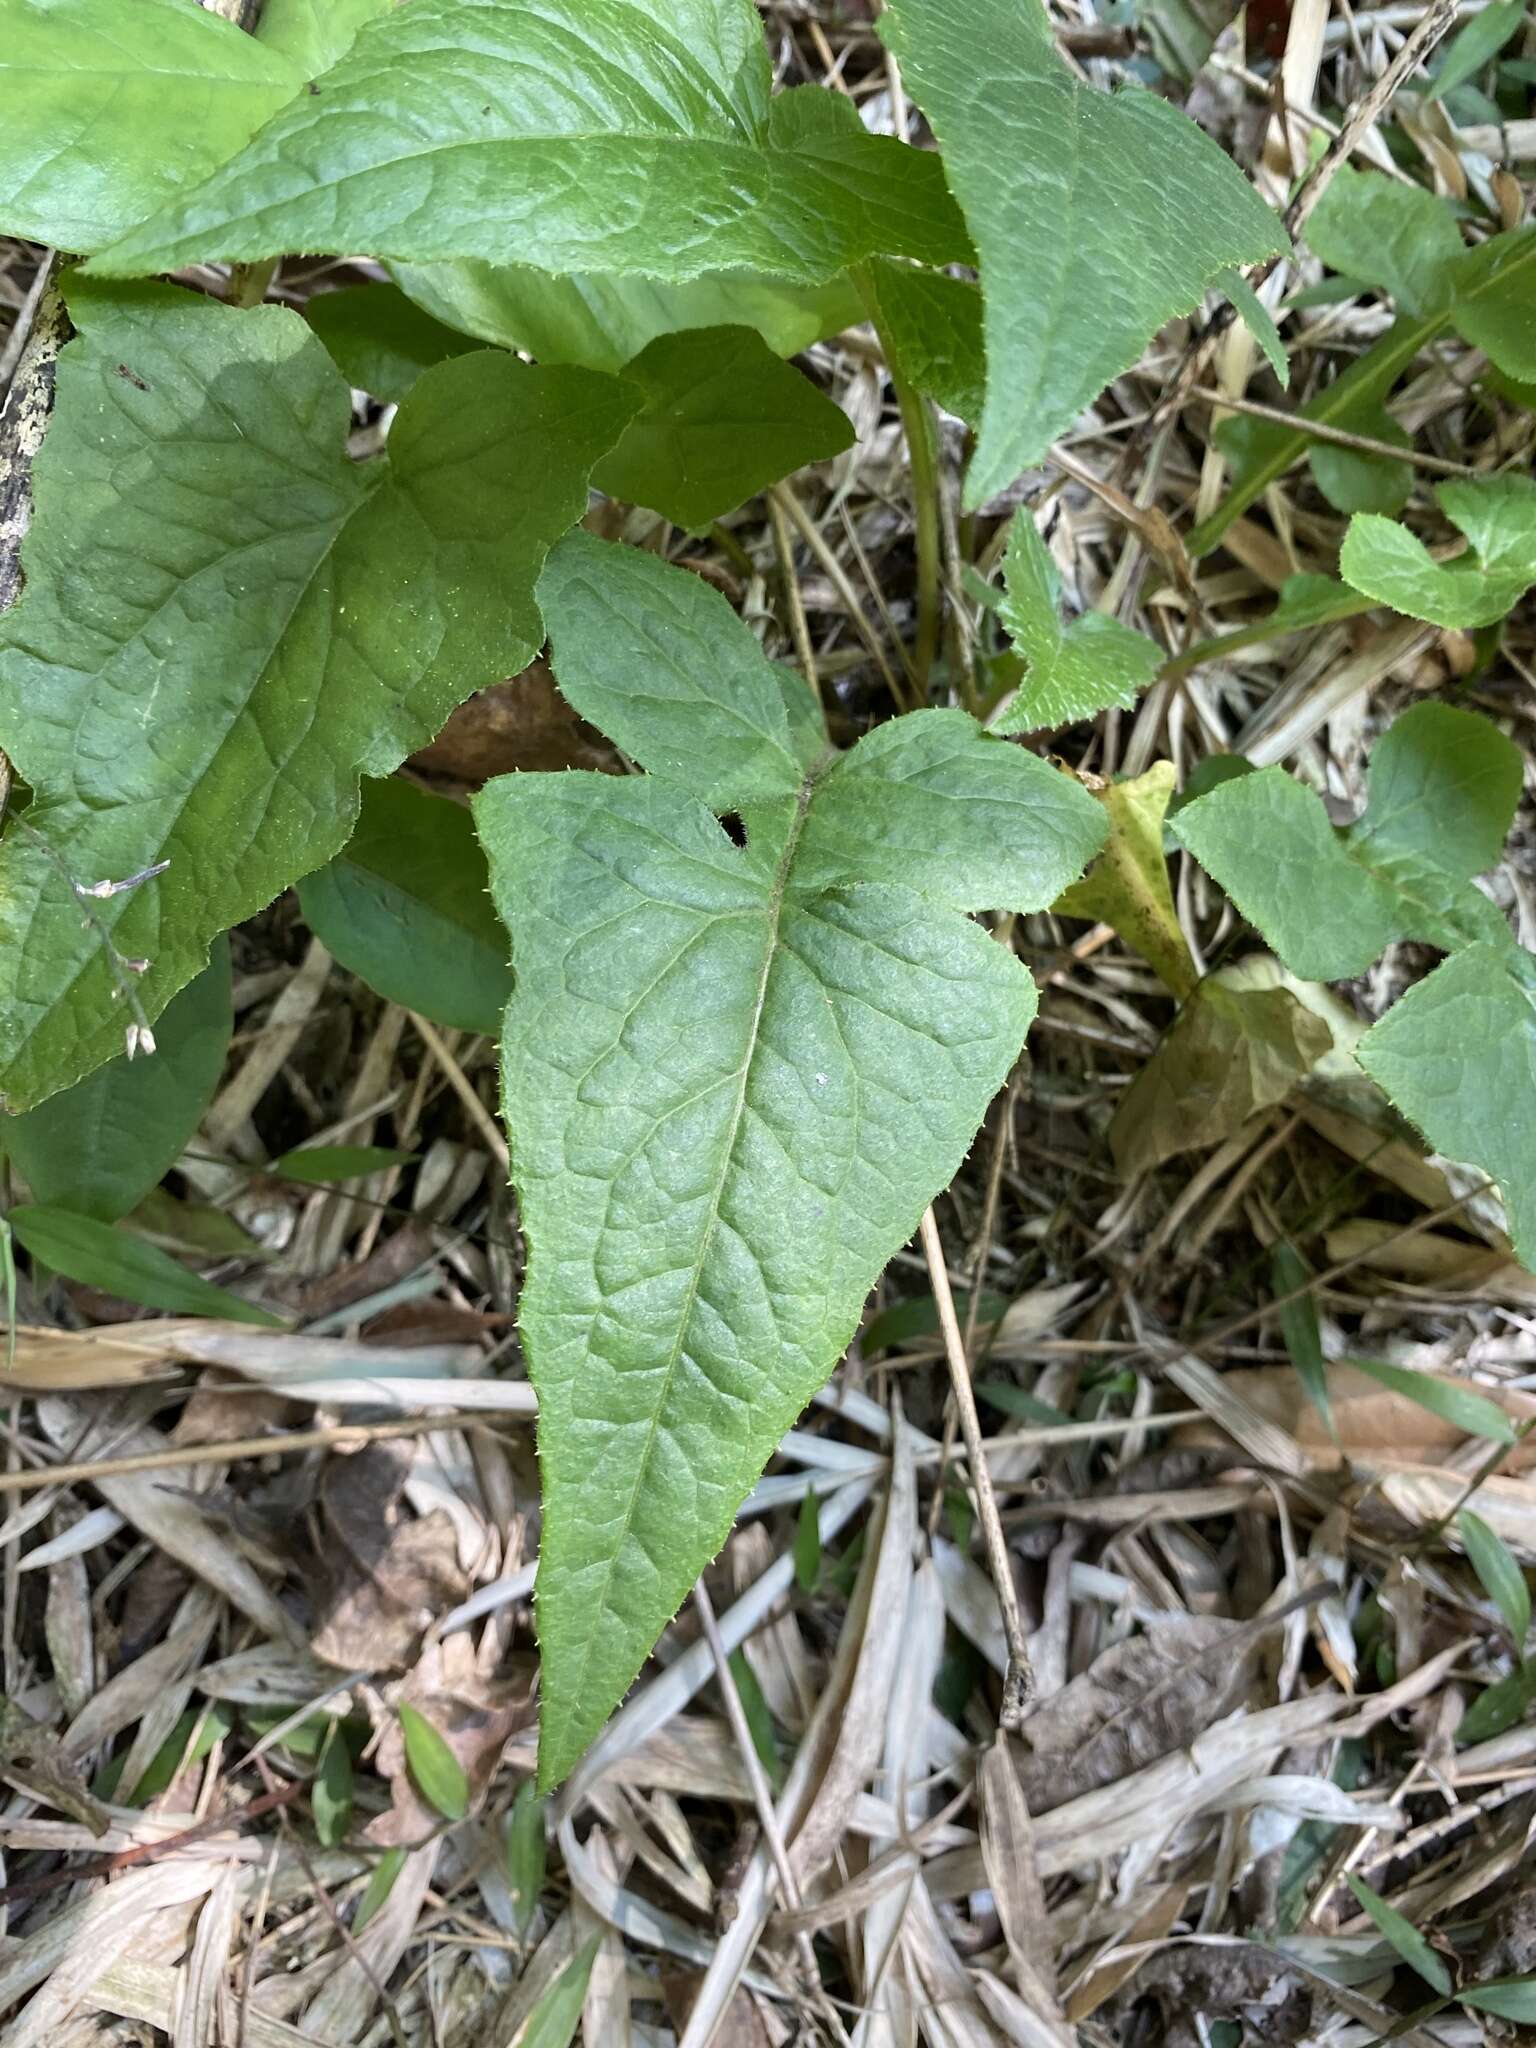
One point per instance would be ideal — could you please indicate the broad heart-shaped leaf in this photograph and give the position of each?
(722, 418)
(1074, 670)
(1498, 516)
(1457, 1054)
(1442, 790)
(110, 110)
(1096, 219)
(406, 905)
(225, 623)
(99, 1147)
(587, 135)
(380, 340)
(600, 322)
(732, 1076)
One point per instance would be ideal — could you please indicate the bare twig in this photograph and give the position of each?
(1019, 1684)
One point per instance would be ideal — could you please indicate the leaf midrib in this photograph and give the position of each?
(774, 911)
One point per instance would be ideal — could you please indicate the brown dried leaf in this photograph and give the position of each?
(1008, 1850)
(1141, 1699)
(391, 1573)
(475, 1716)
(1374, 1423)
(521, 724)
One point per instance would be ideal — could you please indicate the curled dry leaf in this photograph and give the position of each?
(1142, 1698)
(524, 723)
(391, 1573)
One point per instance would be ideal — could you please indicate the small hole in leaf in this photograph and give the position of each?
(733, 828)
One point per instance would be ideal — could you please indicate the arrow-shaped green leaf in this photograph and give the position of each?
(733, 1075)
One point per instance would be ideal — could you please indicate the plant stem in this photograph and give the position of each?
(922, 455)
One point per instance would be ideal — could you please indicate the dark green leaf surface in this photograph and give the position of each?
(733, 1076)
(722, 418)
(931, 327)
(1299, 1324)
(1512, 1998)
(1393, 237)
(106, 1256)
(1031, 153)
(406, 905)
(554, 2020)
(111, 110)
(225, 623)
(99, 1147)
(573, 135)
(1074, 670)
(1441, 793)
(318, 1165)
(601, 322)
(526, 1852)
(380, 340)
(330, 1793)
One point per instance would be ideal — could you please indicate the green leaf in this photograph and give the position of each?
(1498, 1708)
(1074, 670)
(1497, 514)
(1128, 885)
(1183, 33)
(112, 110)
(1463, 1407)
(406, 906)
(1494, 307)
(602, 322)
(1258, 320)
(1230, 1053)
(99, 1147)
(330, 1791)
(527, 1849)
(585, 135)
(931, 326)
(1511, 1998)
(320, 1164)
(733, 1075)
(808, 1545)
(1030, 153)
(1457, 1054)
(1352, 481)
(381, 1882)
(1502, 1576)
(314, 34)
(722, 419)
(1396, 238)
(212, 700)
(1298, 1311)
(554, 2020)
(435, 1771)
(380, 340)
(759, 1720)
(1403, 1935)
(1476, 45)
(1442, 789)
(104, 1255)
